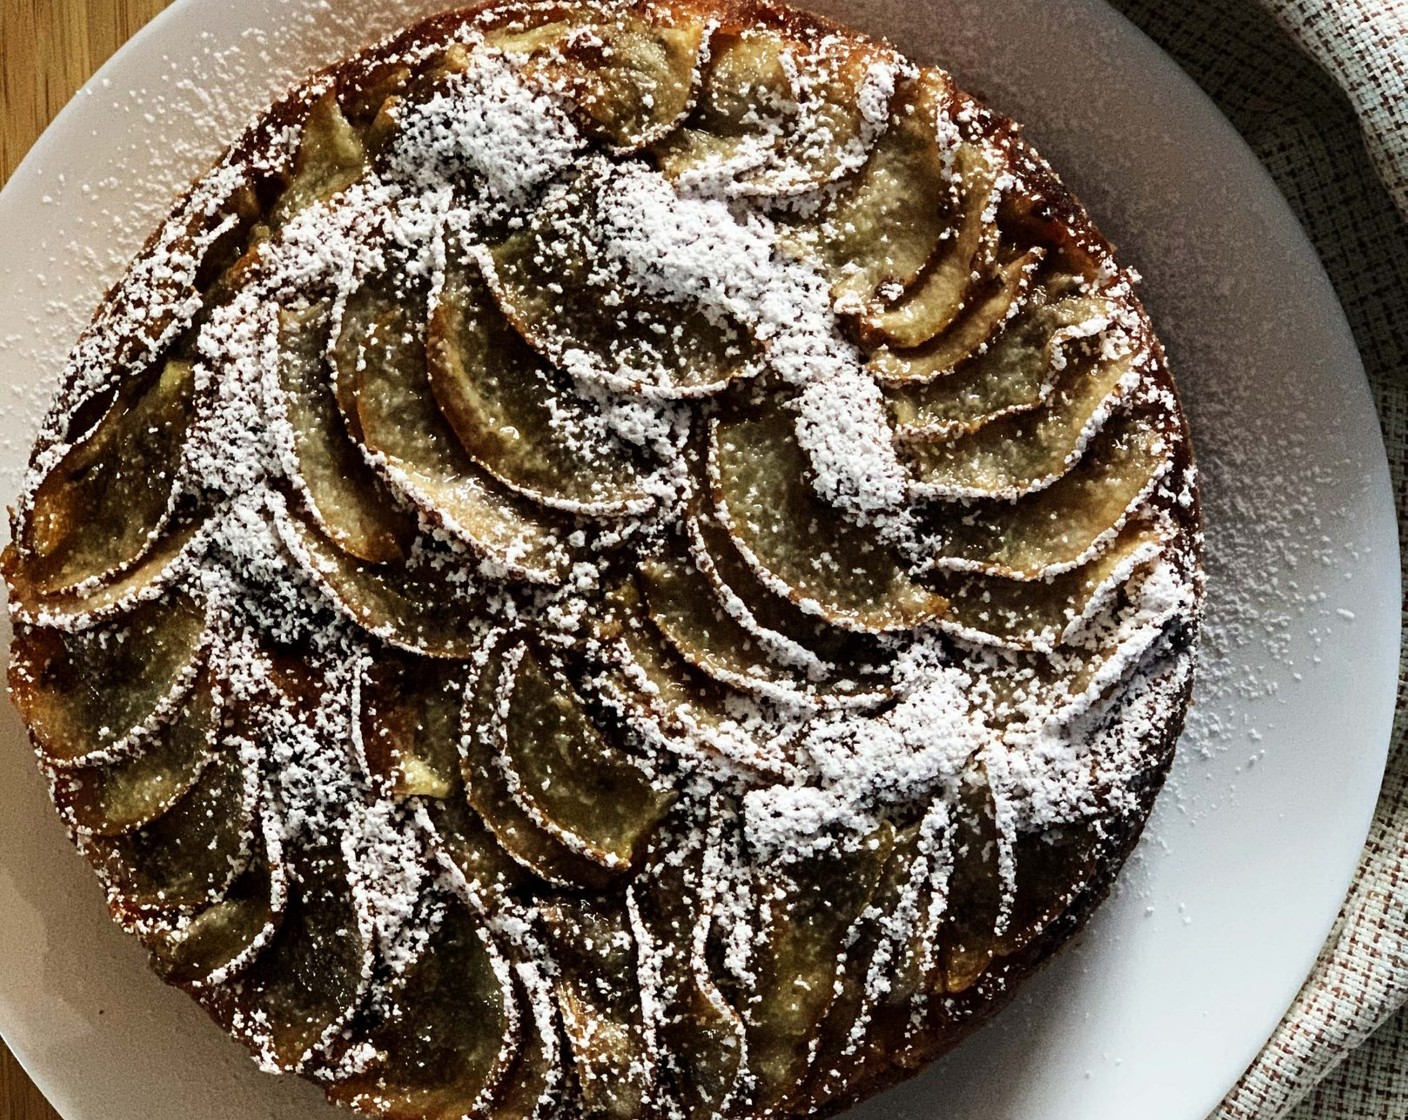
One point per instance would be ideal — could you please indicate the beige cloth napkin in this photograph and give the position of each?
(1319, 89)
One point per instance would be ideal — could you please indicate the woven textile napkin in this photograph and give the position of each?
(1319, 89)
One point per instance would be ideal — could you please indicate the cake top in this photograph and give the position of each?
(602, 478)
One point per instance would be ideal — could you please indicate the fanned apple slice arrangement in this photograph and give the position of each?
(633, 560)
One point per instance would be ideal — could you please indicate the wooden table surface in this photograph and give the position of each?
(48, 48)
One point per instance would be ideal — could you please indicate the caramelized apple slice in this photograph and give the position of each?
(599, 996)
(102, 506)
(354, 345)
(189, 854)
(70, 608)
(940, 294)
(702, 1034)
(410, 724)
(222, 936)
(516, 417)
(630, 79)
(715, 552)
(839, 85)
(1057, 528)
(363, 94)
(85, 694)
(308, 980)
(581, 789)
(685, 610)
(801, 545)
(1018, 454)
(523, 837)
(400, 422)
(983, 316)
(889, 219)
(684, 606)
(1013, 374)
(968, 936)
(745, 98)
(811, 905)
(1053, 867)
(894, 918)
(460, 836)
(132, 792)
(555, 286)
(529, 1090)
(661, 688)
(1038, 613)
(405, 607)
(449, 1036)
(662, 695)
(346, 497)
(329, 159)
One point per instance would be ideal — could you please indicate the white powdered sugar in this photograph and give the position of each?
(487, 122)
(695, 248)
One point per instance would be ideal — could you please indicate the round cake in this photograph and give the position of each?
(611, 560)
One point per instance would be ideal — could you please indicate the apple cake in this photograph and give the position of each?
(610, 560)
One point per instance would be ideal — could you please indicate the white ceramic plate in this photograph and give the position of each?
(1219, 916)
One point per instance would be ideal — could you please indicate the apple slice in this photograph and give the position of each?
(1053, 868)
(714, 551)
(71, 609)
(894, 919)
(86, 694)
(800, 545)
(188, 855)
(887, 221)
(462, 838)
(832, 132)
(1013, 374)
(125, 795)
(599, 996)
(521, 35)
(703, 1036)
(1019, 454)
(630, 79)
(522, 836)
(328, 161)
(662, 695)
(400, 422)
(1058, 528)
(745, 100)
(684, 606)
(346, 497)
(223, 935)
(936, 299)
(1037, 614)
(968, 935)
(517, 417)
(308, 980)
(531, 1087)
(362, 310)
(810, 905)
(555, 284)
(104, 504)
(450, 1034)
(583, 791)
(410, 724)
(983, 316)
(407, 607)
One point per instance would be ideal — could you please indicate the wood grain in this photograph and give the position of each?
(48, 48)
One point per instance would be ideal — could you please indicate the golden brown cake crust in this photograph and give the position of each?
(625, 560)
